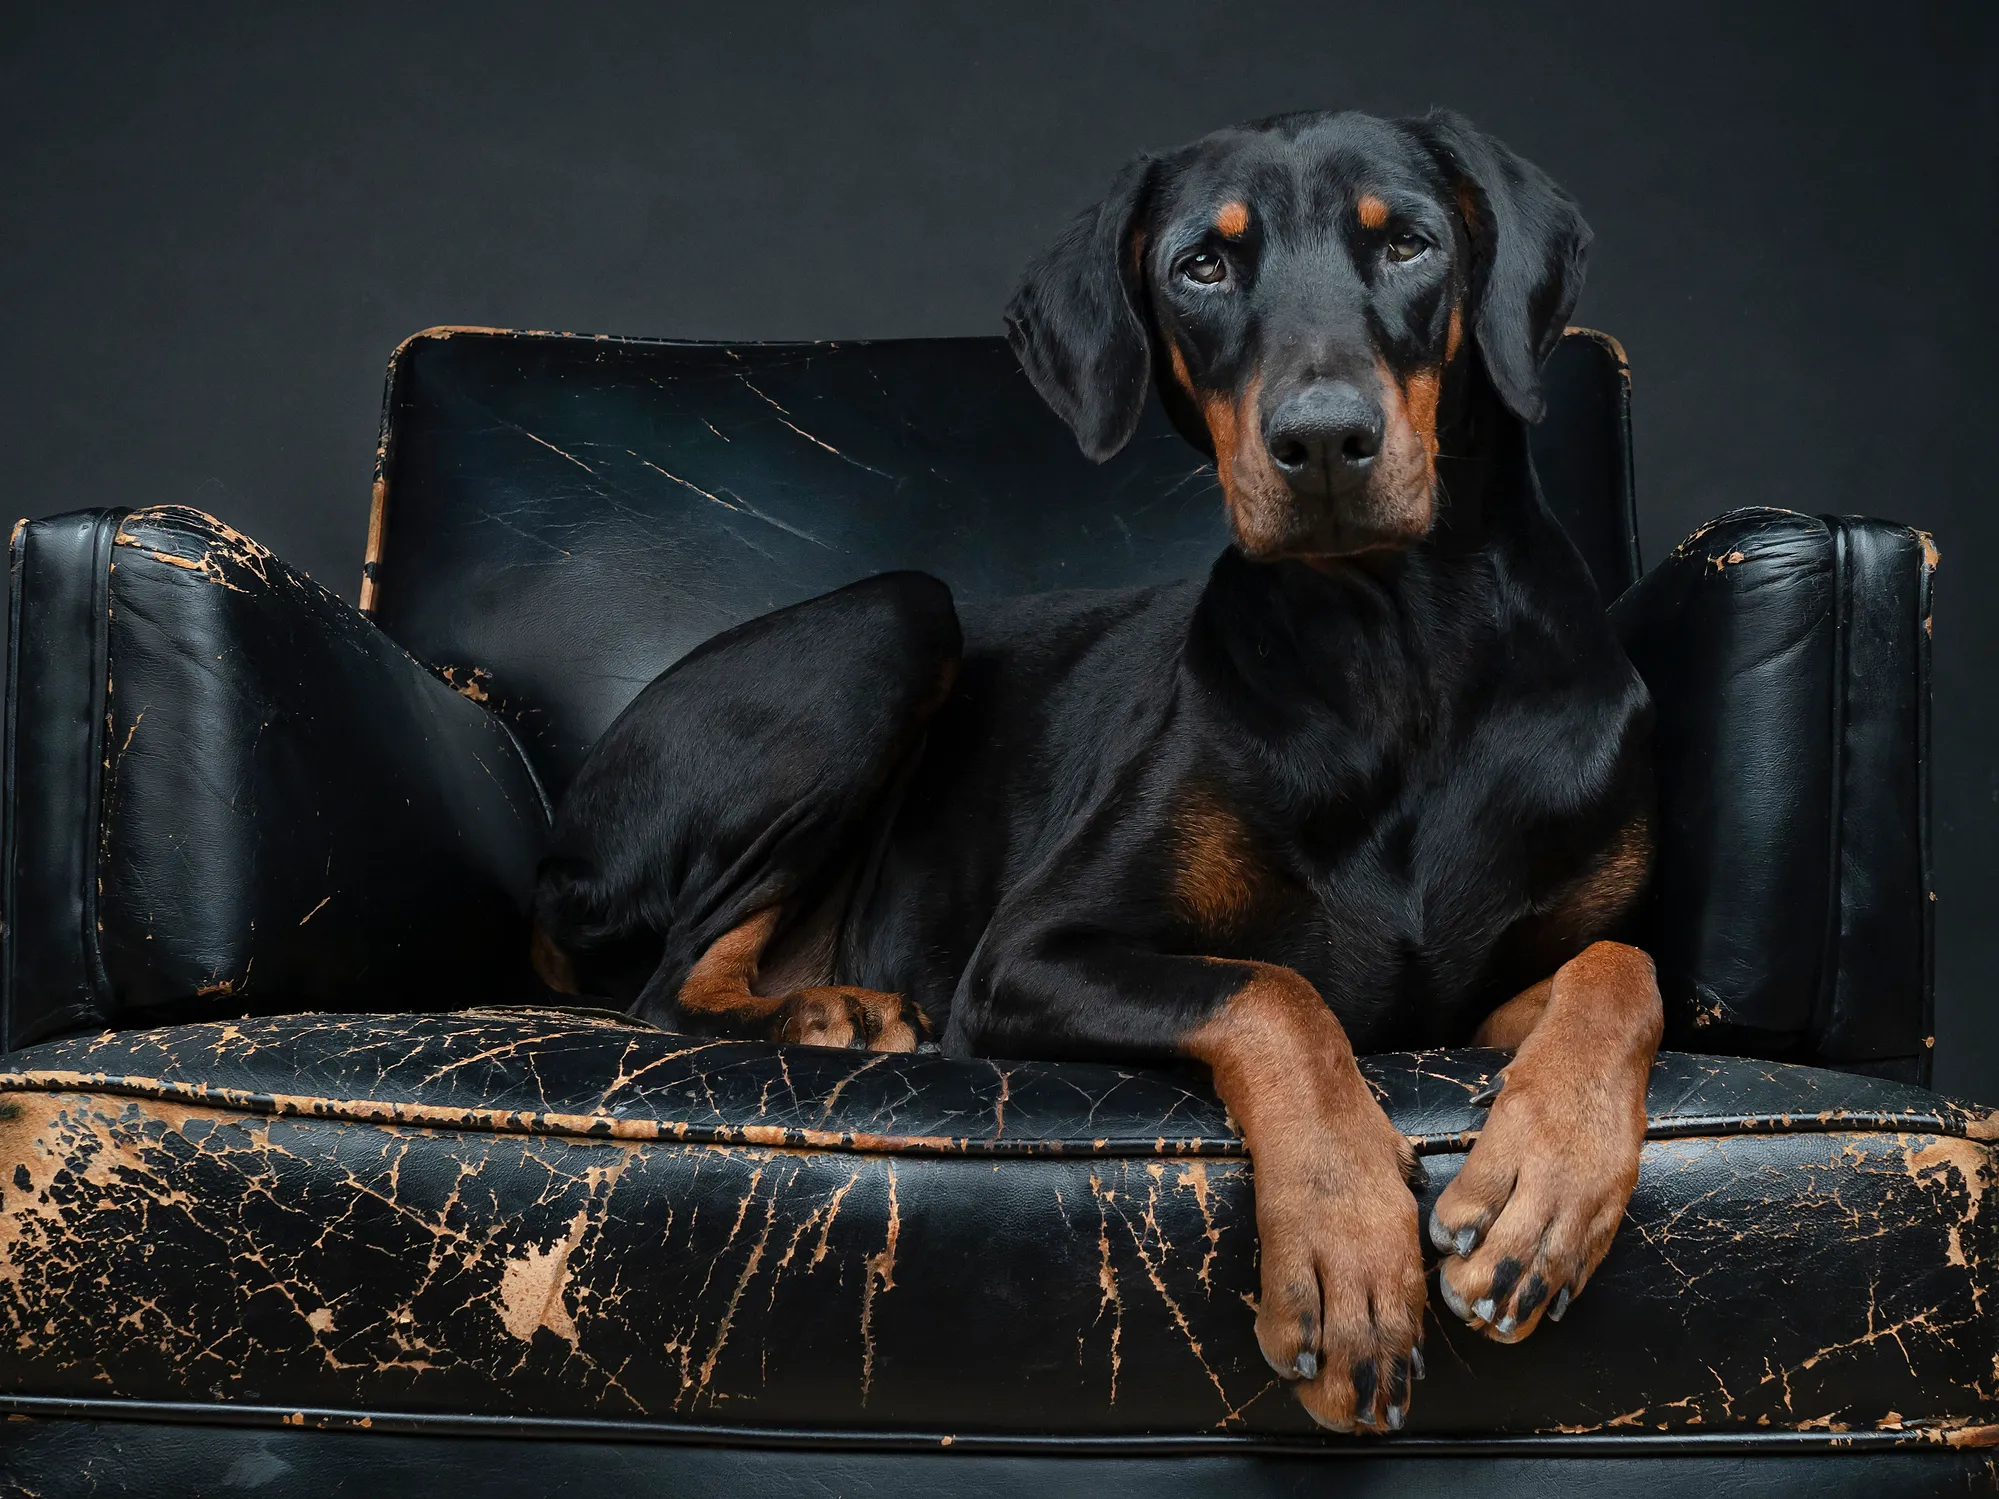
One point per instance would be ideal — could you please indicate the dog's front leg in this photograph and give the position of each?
(1342, 1295)
(1532, 1213)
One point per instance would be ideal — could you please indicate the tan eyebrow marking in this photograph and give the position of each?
(1232, 218)
(1372, 210)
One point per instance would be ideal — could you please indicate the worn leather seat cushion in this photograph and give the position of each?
(559, 1215)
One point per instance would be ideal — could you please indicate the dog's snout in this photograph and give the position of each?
(1325, 434)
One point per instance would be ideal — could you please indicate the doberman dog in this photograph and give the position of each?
(1381, 779)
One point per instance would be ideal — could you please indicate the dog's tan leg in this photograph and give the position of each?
(1532, 1213)
(723, 985)
(1343, 1291)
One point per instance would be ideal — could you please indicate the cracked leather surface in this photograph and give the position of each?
(552, 1213)
(228, 792)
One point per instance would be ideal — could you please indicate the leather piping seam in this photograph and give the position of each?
(1827, 999)
(97, 833)
(1924, 626)
(1937, 1438)
(17, 550)
(1627, 472)
(527, 765)
(860, 1142)
(378, 494)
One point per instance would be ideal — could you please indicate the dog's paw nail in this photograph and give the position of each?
(1416, 1370)
(1394, 1418)
(1452, 1299)
(1467, 1241)
(1483, 1309)
(1484, 1097)
(1561, 1305)
(1306, 1365)
(1440, 1237)
(1506, 1324)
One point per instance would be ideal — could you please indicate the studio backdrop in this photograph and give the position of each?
(220, 219)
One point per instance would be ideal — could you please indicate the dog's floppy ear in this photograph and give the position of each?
(1077, 325)
(1529, 244)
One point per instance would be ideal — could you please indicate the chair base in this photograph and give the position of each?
(158, 1459)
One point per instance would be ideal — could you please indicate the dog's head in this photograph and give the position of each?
(1303, 290)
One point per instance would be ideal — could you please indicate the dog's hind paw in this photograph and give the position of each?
(855, 1019)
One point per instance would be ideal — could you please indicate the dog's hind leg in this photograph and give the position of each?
(724, 984)
(717, 825)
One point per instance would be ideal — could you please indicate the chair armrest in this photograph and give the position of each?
(1789, 659)
(227, 792)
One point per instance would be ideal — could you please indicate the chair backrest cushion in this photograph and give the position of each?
(558, 519)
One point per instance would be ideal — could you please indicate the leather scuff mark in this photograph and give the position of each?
(532, 1286)
(226, 555)
(1931, 556)
(468, 681)
(880, 1272)
(1112, 1301)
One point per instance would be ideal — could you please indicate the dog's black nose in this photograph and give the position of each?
(1324, 435)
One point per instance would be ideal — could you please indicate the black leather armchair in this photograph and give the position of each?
(304, 1178)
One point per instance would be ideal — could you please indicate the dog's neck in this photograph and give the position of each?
(1485, 485)
(1387, 634)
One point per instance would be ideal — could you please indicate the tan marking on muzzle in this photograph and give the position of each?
(1253, 489)
(1406, 470)
(1420, 393)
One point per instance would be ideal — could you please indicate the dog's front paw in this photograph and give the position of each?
(1343, 1288)
(1533, 1212)
(857, 1019)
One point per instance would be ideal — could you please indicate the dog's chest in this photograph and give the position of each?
(1402, 894)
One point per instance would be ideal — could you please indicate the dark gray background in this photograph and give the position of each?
(215, 222)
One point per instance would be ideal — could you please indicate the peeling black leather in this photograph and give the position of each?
(557, 1215)
(228, 792)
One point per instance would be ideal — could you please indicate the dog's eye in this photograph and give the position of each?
(1403, 247)
(1207, 268)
